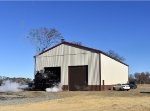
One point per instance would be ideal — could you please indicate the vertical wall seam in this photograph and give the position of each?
(100, 70)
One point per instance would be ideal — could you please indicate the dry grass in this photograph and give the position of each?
(131, 100)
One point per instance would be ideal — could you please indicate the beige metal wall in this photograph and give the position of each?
(113, 72)
(64, 56)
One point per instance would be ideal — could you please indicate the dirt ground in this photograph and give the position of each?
(133, 100)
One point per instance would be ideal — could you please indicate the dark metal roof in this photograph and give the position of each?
(81, 47)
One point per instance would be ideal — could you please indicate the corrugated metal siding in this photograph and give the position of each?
(65, 56)
(113, 72)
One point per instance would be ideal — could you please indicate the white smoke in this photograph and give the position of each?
(56, 88)
(8, 86)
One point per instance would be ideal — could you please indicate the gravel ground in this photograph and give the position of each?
(26, 97)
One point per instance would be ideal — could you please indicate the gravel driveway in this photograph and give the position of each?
(26, 97)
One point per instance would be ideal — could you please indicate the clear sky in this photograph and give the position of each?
(121, 26)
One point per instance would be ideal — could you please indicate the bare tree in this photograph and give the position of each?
(43, 37)
(131, 78)
(142, 78)
(115, 55)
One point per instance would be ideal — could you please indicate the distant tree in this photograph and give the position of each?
(115, 55)
(137, 78)
(43, 37)
(14, 79)
(147, 74)
(131, 78)
(142, 78)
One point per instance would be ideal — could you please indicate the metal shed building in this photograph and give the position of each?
(82, 68)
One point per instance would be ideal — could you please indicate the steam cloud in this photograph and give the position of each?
(56, 88)
(8, 86)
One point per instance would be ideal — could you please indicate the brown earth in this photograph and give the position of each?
(132, 100)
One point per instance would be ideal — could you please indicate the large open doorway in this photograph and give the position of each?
(50, 77)
(78, 78)
(54, 74)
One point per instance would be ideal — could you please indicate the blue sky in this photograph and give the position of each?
(120, 26)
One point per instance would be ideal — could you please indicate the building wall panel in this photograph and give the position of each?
(64, 56)
(112, 71)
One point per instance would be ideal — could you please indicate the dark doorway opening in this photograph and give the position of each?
(48, 78)
(78, 78)
(54, 74)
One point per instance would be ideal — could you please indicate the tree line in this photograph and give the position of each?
(140, 78)
(15, 79)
